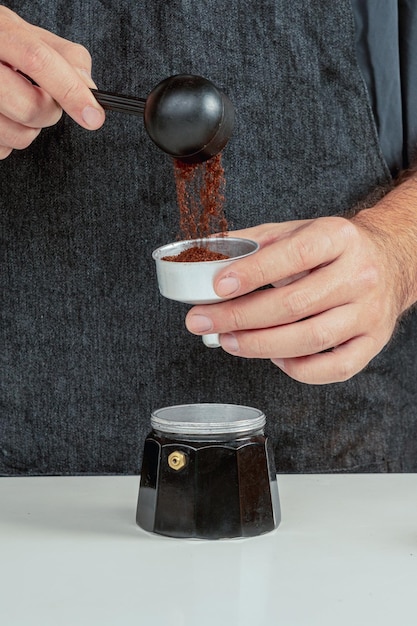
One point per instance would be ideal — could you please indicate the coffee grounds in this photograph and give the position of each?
(196, 253)
(200, 196)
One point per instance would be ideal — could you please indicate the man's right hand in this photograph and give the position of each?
(62, 73)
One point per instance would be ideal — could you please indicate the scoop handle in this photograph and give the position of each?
(120, 103)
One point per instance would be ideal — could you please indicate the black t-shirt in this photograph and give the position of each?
(386, 37)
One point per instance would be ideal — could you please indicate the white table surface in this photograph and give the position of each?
(344, 554)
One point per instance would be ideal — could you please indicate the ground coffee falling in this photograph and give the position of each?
(200, 196)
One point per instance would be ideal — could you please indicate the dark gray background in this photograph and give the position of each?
(88, 347)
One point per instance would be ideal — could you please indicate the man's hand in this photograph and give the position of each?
(340, 286)
(60, 68)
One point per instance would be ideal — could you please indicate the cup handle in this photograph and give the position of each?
(212, 340)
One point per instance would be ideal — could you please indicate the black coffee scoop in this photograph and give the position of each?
(186, 116)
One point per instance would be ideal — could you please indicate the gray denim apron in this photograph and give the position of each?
(88, 347)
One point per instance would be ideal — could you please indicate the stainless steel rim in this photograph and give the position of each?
(207, 419)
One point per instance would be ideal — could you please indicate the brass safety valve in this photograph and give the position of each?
(177, 460)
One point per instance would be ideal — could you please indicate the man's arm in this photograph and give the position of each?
(392, 224)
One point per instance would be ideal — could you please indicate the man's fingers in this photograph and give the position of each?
(23, 48)
(310, 336)
(5, 152)
(24, 103)
(337, 365)
(296, 250)
(312, 293)
(14, 136)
